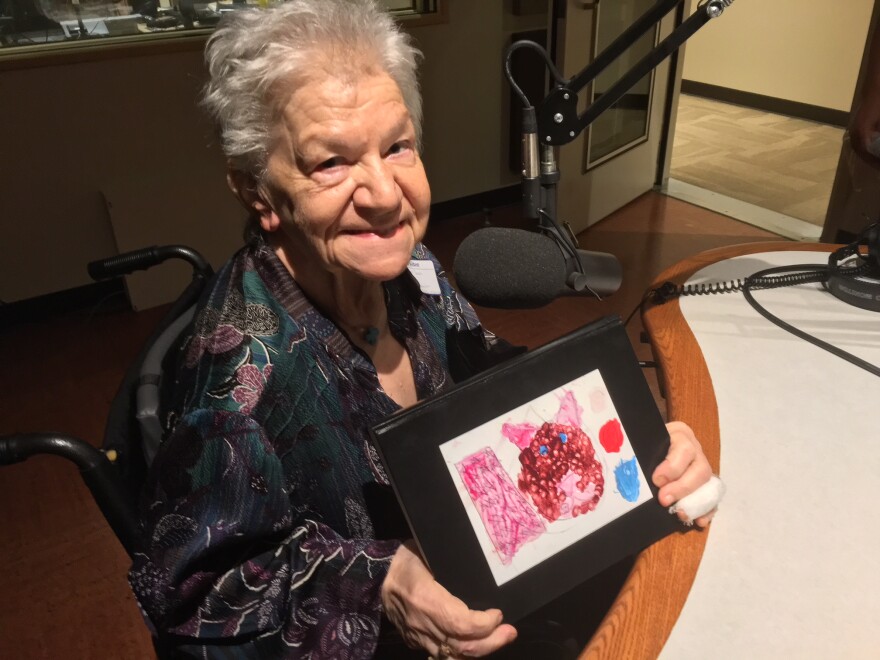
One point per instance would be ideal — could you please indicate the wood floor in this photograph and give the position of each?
(63, 589)
(779, 163)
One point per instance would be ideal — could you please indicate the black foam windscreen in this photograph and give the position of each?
(509, 268)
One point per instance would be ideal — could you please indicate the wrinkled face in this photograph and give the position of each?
(345, 188)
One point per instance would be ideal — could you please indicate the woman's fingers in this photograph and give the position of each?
(685, 468)
(696, 474)
(479, 647)
(428, 616)
(683, 449)
(472, 633)
(703, 521)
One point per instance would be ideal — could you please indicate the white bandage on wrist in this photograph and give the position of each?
(703, 500)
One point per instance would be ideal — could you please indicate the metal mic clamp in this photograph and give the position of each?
(531, 169)
(714, 8)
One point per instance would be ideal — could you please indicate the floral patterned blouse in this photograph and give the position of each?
(268, 520)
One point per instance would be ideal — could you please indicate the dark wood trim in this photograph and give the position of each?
(767, 103)
(110, 295)
(488, 199)
(157, 43)
(96, 50)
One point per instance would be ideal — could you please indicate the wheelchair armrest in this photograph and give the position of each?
(148, 394)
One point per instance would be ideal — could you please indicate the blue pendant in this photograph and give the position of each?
(371, 335)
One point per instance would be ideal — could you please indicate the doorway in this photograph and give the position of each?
(774, 170)
(760, 120)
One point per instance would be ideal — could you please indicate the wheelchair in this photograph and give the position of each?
(115, 473)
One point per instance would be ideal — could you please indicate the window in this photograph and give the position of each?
(40, 26)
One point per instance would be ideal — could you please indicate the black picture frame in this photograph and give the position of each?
(409, 445)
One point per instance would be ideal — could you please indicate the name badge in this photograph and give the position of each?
(426, 276)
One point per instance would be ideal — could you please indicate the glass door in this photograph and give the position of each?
(625, 124)
(616, 159)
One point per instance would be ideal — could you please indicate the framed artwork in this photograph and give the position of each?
(532, 477)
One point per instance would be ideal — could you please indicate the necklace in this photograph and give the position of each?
(367, 333)
(370, 335)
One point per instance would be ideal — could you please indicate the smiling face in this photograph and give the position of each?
(345, 190)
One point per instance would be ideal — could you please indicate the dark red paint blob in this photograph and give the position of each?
(558, 453)
(611, 436)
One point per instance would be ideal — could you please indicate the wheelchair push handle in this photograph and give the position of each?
(96, 469)
(128, 262)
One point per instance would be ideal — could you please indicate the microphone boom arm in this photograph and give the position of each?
(558, 120)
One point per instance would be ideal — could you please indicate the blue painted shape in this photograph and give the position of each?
(563, 437)
(543, 450)
(627, 476)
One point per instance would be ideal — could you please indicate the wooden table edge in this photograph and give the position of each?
(643, 614)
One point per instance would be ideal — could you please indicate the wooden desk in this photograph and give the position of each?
(642, 616)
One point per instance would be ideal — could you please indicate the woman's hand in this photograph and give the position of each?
(683, 471)
(430, 617)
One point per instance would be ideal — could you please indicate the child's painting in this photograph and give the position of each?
(545, 475)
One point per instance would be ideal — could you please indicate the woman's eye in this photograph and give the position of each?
(398, 147)
(330, 163)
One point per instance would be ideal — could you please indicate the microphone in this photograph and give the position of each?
(518, 269)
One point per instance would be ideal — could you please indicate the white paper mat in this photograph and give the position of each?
(790, 568)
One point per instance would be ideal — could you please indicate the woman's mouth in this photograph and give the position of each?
(380, 232)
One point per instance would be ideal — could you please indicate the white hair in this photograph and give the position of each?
(255, 50)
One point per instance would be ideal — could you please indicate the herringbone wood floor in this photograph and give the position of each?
(776, 162)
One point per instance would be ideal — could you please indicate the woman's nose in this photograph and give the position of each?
(377, 187)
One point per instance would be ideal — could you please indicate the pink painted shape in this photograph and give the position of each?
(519, 434)
(574, 496)
(507, 516)
(570, 411)
(598, 400)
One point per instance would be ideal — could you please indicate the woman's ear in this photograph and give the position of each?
(253, 197)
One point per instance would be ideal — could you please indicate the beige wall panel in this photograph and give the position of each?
(807, 52)
(466, 100)
(129, 129)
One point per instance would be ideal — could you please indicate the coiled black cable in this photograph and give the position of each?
(761, 280)
(770, 278)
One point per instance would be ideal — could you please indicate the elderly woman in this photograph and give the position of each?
(269, 524)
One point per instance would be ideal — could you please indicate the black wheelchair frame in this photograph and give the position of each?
(115, 473)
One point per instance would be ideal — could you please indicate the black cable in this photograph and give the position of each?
(770, 278)
(550, 66)
(641, 305)
(818, 273)
(849, 357)
(560, 240)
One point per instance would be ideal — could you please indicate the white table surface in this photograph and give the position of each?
(790, 568)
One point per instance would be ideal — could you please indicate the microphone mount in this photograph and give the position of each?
(557, 122)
